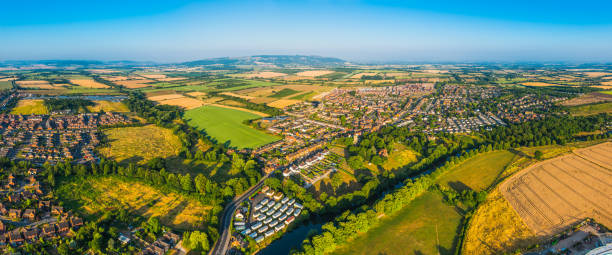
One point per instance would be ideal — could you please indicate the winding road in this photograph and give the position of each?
(221, 246)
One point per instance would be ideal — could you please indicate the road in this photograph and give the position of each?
(220, 247)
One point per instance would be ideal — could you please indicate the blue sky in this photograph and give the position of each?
(433, 30)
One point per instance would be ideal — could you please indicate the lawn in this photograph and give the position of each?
(224, 124)
(478, 172)
(426, 226)
(140, 144)
(95, 195)
(30, 106)
(108, 106)
(590, 109)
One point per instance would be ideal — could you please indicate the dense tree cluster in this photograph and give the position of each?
(73, 104)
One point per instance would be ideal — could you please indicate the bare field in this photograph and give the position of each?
(314, 73)
(89, 83)
(588, 99)
(282, 103)
(553, 194)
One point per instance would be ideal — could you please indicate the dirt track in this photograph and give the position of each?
(556, 193)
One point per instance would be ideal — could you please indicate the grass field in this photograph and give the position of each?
(30, 106)
(426, 226)
(226, 125)
(403, 156)
(140, 144)
(95, 195)
(478, 172)
(108, 106)
(591, 109)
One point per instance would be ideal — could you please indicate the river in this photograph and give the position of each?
(290, 240)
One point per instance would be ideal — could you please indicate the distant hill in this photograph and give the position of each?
(271, 60)
(67, 63)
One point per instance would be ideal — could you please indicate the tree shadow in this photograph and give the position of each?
(132, 159)
(459, 186)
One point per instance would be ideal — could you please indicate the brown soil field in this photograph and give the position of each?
(359, 75)
(554, 194)
(89, 83)
(588, 99)
(283, 103)
(314, 73)
(265, 75)
(537, 84)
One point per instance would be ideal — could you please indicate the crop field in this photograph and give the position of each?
(134, 84)
(178, 100)
(556, 193)
(35, 84)
(495, 228)
(537, 84)
(226, 125)
(30, 106)
(89, 83)
(426, 226)
(282, 103)
(95, 195)
(265, 75)
(314, 73)
(478, 172)
(108, 106)
(284, 93)
(140, 144)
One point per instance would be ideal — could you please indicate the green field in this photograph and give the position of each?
(6, 85)
(590, 109)
(225, 125)
(284, 93)
(478, 172)
(426, 226)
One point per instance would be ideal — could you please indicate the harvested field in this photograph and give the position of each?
(298, 78)
(496, 228)
(134, 84)
(537, 84)
(115, 78)
(588, 99)
(102, 71)
(8, 79)
(314, 73)
(196, 94)
(553, 194)
(596, 74)
(264, 75)
(89, 83)
(165, 97)
(237, 95)
(154, 76)
(282, 103)
(108, 106)
(359, 75)
(35, 84)
(178, 100)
